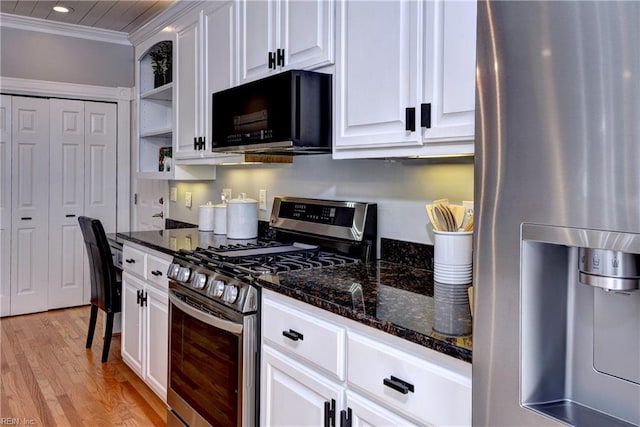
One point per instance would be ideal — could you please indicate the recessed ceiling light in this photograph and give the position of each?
(62, 9)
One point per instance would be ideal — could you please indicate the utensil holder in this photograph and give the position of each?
(453, 257)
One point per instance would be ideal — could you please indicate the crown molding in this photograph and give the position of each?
(63, 29)
(165, 19)
(16, 86)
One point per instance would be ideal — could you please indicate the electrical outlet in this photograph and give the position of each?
(187, 199)
(262, 200)
(227, 193)
(174, 194)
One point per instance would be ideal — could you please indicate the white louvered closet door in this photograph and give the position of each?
(30, 205)
(66, 203)
(5, 204)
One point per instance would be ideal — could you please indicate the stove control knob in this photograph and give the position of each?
(173, 271)
(217, 288)
(199, 280)
(230, 294)
(184, 274)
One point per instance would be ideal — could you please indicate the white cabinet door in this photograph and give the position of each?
(221, 57)
(132, 323)
(258, 37)
(300, 31)
(306, 33)
(30, 205)
(5, 204)
(365, 413)
(156, 316)
(449, 60)
(66, 203)
(293, 395)
(189, 88)
(376, 77)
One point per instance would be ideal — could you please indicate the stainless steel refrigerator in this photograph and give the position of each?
(557, 192)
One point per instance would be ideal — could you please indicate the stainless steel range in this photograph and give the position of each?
(214, 304)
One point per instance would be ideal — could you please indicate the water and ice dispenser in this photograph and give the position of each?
(580, 325)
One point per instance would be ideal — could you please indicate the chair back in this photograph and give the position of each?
(105, 289)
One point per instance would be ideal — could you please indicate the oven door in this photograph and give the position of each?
(209, 375)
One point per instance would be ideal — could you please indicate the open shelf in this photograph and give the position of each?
(163, 93)
(162, 133)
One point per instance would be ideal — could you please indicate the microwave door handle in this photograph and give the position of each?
(225, 325)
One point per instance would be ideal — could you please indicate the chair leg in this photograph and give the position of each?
(92, 324)
(107, 337)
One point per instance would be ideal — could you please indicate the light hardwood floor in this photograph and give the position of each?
(48, 378)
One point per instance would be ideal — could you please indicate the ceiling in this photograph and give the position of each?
(122, 15)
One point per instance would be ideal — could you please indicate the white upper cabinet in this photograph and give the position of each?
(405, 79)
(205, 63)
(284, 34)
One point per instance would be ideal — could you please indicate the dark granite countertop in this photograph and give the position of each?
(394, 298)
(171, 241)
(390, 296)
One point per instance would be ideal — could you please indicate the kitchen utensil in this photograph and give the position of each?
(206, 217)
(432, 218)
(458, 212)
(469, 226)
(242, 218)
(440, 218)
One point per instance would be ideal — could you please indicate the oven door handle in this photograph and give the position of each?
(226, 325)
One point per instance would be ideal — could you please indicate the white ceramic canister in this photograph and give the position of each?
(205, 218)
(220, 218)
(242, 218)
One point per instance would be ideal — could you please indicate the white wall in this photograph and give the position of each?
(400, 189)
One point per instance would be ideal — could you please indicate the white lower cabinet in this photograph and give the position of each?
(294, 395)
(145, 316)
(321, 369)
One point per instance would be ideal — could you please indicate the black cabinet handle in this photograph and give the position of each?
(345, 418)
(130, 261)
(293, 335)
(425, 115)
(195, 143)
(144, 299)
(280, 57)
(156, 273)
(202, 142)
(398, 385)
(410, 119)
(138, 292)
(330, 413)
(70, 216)
(26, 218)
(272, 60)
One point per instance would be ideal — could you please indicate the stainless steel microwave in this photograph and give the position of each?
(289, 112)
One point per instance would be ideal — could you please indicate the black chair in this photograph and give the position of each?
(105, 288)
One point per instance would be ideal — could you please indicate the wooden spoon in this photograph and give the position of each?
(440, 217)
(434, 221)
(458, 212)
(443, 214)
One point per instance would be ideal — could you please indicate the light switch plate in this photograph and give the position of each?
(174, 194)
(262, 200)
(187, 199)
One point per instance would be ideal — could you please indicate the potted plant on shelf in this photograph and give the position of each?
(162, 63)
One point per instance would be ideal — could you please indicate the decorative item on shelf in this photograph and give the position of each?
(164, 159)
(162, 63)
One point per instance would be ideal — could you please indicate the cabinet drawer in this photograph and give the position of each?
(133, 261)
(157, 271)
(439, 396)
(315, 341)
